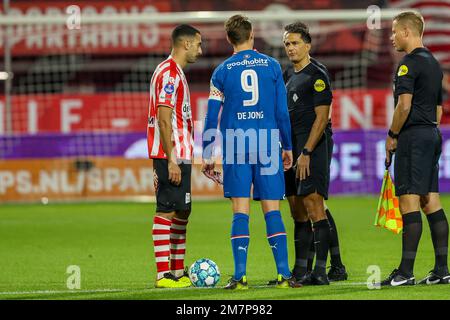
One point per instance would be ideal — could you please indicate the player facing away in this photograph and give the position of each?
(297, 42)
(249, 89)
(170, 145)
(415, 137)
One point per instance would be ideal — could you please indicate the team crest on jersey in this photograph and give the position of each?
(246, 56)
(402, 70)
(319, 85)
(169, 88)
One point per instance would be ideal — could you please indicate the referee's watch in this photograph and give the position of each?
(306, 152)
(392, 134)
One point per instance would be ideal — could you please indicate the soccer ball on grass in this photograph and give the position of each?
(204, 273)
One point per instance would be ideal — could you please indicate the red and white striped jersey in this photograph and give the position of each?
(169, 87)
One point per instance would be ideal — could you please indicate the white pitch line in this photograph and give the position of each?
(149, 290)
(93, 291)
(59, 291)
(343, 284)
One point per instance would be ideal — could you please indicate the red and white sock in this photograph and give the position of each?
(177, 246)
(161, 244)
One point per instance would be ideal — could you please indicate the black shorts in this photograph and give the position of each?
(330, 144)
(170, 197)
(416, 167)
(319, 178)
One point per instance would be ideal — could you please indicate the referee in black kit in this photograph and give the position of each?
(299, 33)
(309, 99)
(416, 140)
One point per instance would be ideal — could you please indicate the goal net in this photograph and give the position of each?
(73, 115)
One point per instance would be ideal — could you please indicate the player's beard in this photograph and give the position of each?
(192, 59)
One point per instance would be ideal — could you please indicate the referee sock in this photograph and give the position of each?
(161, 244)
(321, 231)
(335, 254)
(177, 246)
(303, 238)
(240, 238)
(439, 234)
(276, 235)
(412, 231)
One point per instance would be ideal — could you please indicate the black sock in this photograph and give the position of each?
(322, 244)
(412, 230)
(311, 255)
(439, 234)
(303, 237)
(335, 254)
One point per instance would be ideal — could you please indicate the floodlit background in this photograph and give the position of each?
(74, 94)
(76, 186)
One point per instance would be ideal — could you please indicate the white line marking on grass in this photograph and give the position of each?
(332, 284)
(92, 291)
(149, 290)
(59, 291)
(344, 284)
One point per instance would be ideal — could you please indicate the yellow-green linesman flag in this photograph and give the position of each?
(388, 212)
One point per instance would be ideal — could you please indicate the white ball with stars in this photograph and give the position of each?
(204, 273)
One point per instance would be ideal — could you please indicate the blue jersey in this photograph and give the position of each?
(250, 89)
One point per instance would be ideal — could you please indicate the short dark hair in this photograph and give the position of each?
(238, 28)
(300, 28)
(183, 30)
(414, 19)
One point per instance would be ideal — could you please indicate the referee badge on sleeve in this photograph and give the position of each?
(319, 85)
(402, 70)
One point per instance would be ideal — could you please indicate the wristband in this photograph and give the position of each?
(392, 134)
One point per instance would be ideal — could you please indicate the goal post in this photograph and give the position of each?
(79, 96)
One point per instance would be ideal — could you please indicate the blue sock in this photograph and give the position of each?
(276, 234)
(240, 238)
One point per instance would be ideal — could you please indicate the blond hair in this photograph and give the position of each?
(412, 19)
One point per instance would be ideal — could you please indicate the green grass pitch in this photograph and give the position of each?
(112, 245)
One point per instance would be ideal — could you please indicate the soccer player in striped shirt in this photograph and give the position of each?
(249, 89)
(170, 145)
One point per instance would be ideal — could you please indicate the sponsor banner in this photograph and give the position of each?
(357, 166)
(128, 112)
(75, 37)
(89, 178)
(67, 113)
(74, 145)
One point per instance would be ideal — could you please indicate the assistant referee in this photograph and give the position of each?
(414, 136)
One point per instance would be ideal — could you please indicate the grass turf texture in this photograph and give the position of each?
(112, 244)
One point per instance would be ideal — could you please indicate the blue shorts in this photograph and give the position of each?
(267, 180)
